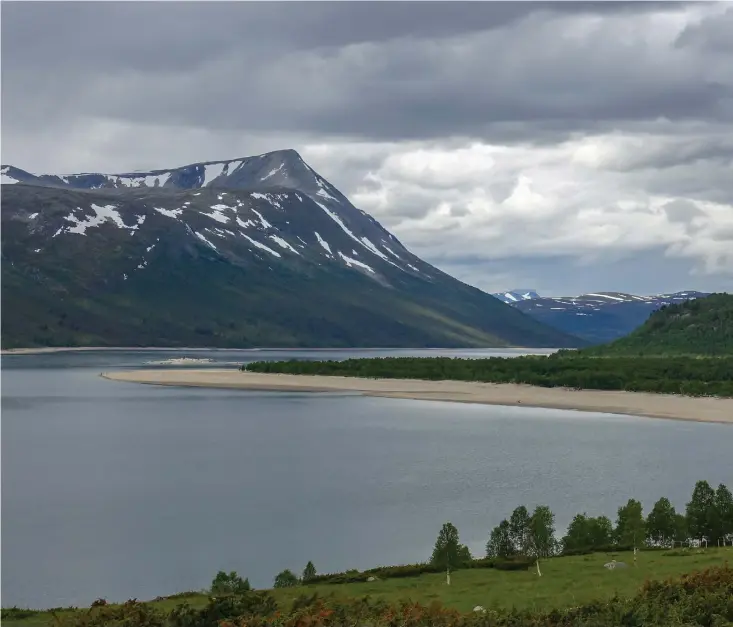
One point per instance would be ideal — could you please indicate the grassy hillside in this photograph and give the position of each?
(566, 582)
(703, 326)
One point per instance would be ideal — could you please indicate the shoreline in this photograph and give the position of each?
(642, 404)
(80, 349)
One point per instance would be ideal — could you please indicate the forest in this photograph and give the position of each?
(671, 375)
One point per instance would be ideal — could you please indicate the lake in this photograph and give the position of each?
(120, 490)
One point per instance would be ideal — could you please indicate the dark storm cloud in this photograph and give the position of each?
(372, 70)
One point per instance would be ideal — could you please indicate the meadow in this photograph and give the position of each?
(566, 582)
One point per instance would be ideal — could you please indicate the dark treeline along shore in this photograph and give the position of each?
(671, 375)
(685, 348)
(517, 545)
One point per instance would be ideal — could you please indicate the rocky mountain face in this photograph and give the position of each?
(598, 317)
(258, 251)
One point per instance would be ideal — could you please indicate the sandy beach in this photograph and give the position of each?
(631, 403)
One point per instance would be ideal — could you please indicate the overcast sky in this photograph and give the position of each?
(566, 147)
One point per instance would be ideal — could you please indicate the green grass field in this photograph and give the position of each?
(565, 582)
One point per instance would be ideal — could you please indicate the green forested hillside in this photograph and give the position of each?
(703, 326)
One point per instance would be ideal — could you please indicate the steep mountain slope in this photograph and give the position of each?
(703, 326)
(599, 317)
(259, 251)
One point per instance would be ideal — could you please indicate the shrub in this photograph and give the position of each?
(231, 583)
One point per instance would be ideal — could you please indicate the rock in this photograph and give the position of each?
(370, 579)
(479, 609)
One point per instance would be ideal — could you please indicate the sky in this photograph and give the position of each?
(567, 147)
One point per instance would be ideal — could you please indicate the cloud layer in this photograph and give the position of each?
(569, 147)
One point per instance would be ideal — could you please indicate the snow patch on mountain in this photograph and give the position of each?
(5, 178)
(203, 239)
(212, 171)
(102, 213)
(265, 224)
(353, 262)
(273, 172)
(282, 243)
(261, 246)
(217, 213)
(323, 243)
(169, 213)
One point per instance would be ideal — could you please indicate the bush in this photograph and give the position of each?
(250, 603)
(286, 579)
(230, 583)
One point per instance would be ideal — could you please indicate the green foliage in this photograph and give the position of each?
(703, 326)
(519, 530)
(309, 572)
(500, 542)
(220, 609)
(662, 523)
(723, 514)
(630, 525)
(542, 532)
(286, 579)
(701, 512)
(449, 553)
(673, 375)
(588, 534)
(229, 583)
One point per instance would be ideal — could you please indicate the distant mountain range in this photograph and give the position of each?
(597, 317)
(256, 251)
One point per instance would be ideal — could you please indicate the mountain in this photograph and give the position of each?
(597, 317)
(703, 326)
(517, 295)
(257, 251)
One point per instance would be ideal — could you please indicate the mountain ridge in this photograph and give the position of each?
(596, 316)
(226, 257)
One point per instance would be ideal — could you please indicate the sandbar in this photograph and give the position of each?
(700, 409)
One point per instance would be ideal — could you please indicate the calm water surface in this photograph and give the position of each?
(120, 490)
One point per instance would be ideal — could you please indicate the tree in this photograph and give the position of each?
(231, 583)
(286, 579)
(588, 533)
(448, 553)
(600, 531)
(500, 541)
(519, 530)
(630, 526)
(309, 572)
(661, 524)
(541, 541)
(701, 512)
(723, 517)
(681, 531)
(577, 536)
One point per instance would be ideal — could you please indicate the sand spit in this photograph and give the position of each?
(631, 403)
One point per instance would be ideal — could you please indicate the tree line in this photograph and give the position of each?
(670, 375)
(708, 519)
(525, 537)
